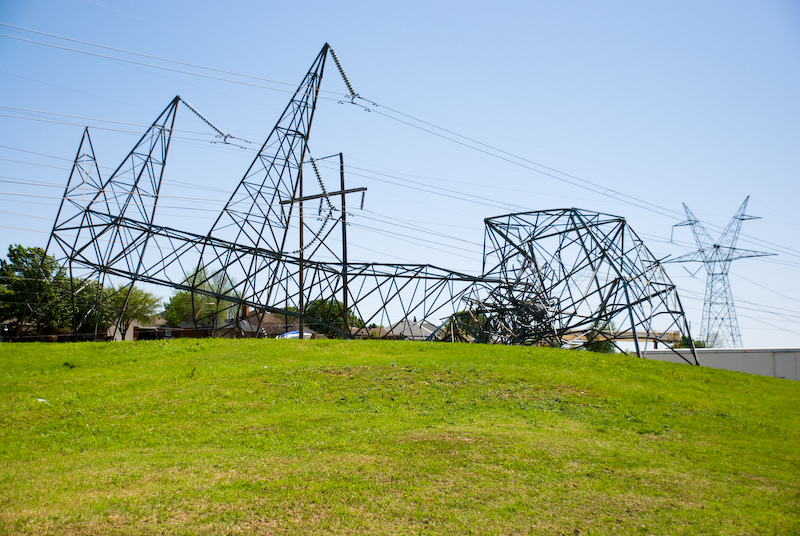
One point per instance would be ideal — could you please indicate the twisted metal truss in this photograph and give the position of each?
(719, 328)
(571, 277)
(259, 253)
(564, 277)
(86, 236)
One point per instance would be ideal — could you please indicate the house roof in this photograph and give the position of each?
(242, 324)
(410, 329)
(369, 333)
(264, 319)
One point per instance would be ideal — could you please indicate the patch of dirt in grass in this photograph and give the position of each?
(256, 525)
(55, 523)
(415, 437)
(766, 485)
(344, 371)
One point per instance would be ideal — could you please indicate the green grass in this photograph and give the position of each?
(359, 437)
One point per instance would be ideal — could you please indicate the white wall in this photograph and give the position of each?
(775, 362)
(117, 335)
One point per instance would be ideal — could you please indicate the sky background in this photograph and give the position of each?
(627, 108)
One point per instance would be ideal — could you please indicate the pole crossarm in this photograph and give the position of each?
(320, 196)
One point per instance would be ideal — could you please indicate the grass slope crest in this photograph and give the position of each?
(374, 437)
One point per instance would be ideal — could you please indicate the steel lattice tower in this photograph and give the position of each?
(719, 327)
(571, 277)
(263, 255)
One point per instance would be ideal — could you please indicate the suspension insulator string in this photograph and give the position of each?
(353, 94)
(321, 185)
(317, 236)
(220, 134)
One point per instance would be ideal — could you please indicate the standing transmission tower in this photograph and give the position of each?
(720, 327)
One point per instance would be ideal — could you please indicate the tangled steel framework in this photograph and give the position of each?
(572, 277)
(261, 253)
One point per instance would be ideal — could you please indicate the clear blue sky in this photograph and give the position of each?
(667, 102)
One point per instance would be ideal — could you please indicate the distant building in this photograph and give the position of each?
(412, 330)
(159, 329)
(370, 333)
(406, 329)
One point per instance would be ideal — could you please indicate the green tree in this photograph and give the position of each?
(205, 310)
(330, 312)
(685, 343)
(597, 342)
(141, 306)
(33, 286)
(179, 308)
(90, 305)
(465, 326)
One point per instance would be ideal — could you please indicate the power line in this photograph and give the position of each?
(545, 170)
(33, 216)
(44, 112)
(222, 71)
(38, 154)
(604, 192)
(697, 296)
(427, 240)
(519, 161)
(110, 129)
(171, 69)
(451, 135)
(24, 229)
(33, 164)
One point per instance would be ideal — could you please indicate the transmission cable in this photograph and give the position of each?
(142, 55)
(595, 188)
(527, 164)
(180, 71)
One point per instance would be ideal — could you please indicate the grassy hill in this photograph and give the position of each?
(359, 437)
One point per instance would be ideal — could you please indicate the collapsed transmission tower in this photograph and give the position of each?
(571, 277)
(563, 278)
(260, 252)
(86, 237)
(719, 327)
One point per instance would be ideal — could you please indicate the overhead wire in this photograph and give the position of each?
(162, 67)
(353, 95)
(427, 231)
(517, 160)
(149, 56)
(430, 244)
(410, 239)
(467, 141)
(487, 149)
(407, 225)
(545, 170)
(699, 296)
(204, 67)
(426, 239)
(124, 131)
(419, 186)
(451, 136)
(97, 119)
